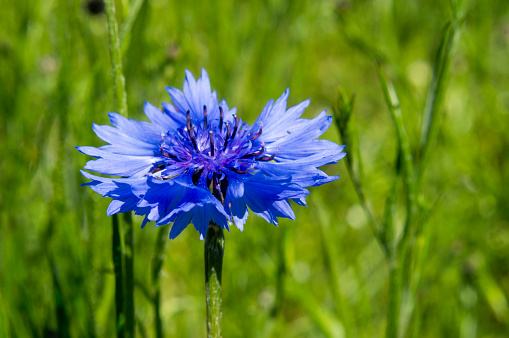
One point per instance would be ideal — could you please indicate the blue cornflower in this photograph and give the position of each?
(197, 162)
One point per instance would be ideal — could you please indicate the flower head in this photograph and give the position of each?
(197, 162)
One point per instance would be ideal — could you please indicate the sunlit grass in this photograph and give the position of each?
(324, 273)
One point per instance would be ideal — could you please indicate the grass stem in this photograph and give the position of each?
(157, 264)
(121, 106)
(129, 274)
(395, 284)
(116, 60)
(119, 280)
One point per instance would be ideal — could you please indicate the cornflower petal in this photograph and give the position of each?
(197, 162)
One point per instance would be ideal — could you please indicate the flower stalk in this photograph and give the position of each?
(214, 251)
(129, 273)
(157, 265)
(124, 287)
(119, 284)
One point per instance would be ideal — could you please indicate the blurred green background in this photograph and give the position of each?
(56, 273)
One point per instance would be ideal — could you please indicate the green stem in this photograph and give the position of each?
(281, 272)
(119, 281)
(157, 313)
(394, 298)
(214, 251)
(129, 274)
(121, 106)
(157, 264)
(116, 60)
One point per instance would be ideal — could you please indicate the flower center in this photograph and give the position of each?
(210, 149)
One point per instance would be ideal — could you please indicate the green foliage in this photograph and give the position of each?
(325, 273)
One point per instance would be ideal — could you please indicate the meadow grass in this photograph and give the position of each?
(330, 272)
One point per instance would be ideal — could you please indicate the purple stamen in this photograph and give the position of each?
(236, 126)
(257, 153)
(205, 117)
(268, 158)
(158, 168)
(227, 135)
(221, 116)
(165, 154)
(188, 121)
(190, 129)
(241, 171)
(255, 136)
(211, 138)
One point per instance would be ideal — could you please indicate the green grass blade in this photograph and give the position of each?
(392, 101)
(323, 319)
(342, 118)
(342, 312)
(127, 25)
(388, 230)
(62, 315)
(492, 291)
(433, 110)
(4, 325)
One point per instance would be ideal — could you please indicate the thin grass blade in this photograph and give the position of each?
(432, 112)
(127, 25)
(392, 101)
